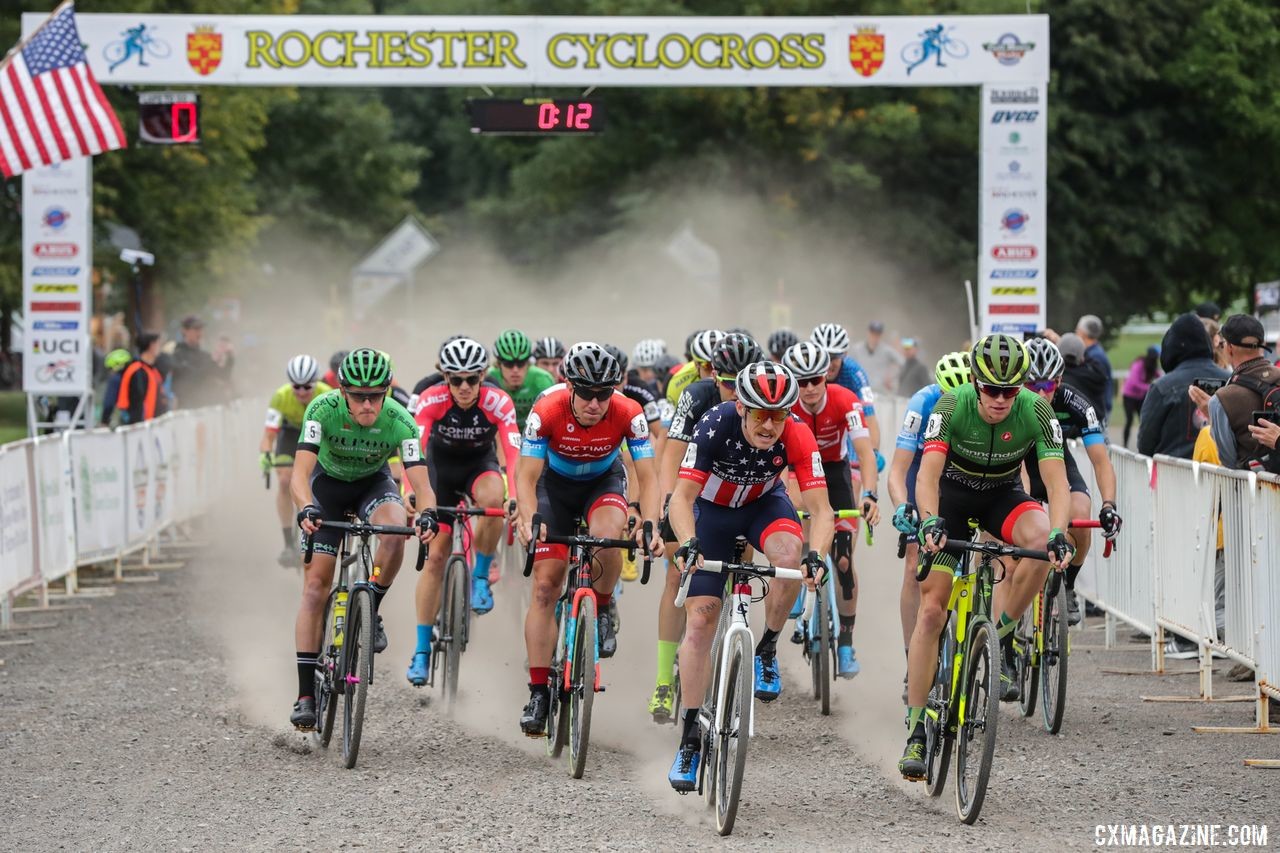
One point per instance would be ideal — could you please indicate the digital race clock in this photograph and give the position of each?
(536, 117)
(168, 118)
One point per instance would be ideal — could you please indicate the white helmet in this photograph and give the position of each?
(463, 355)
(704, 344)
(647, 352)
(1046, 360)
(831, 337)
(767, 385)
(302, 370)
(806, 359)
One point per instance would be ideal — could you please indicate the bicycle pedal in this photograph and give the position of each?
(305, 728)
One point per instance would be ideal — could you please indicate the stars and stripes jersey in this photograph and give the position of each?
(839, 415)
(579, 452)
(734, 473)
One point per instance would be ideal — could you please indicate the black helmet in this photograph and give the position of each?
(734, 352)
(782, 340)
(590, 364)
(618, 355)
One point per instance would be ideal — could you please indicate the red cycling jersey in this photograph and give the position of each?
(840, 413)
(581, 452)
(448, 428)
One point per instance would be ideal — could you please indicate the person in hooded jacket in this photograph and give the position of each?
(1168, 423)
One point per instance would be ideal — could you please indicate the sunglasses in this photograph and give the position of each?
(366, 396)
(307, 387)
(811, 380)
(775, 415)
(588, 394)
(1004, 392)
(728, 381)
(505, 363)
(1045, 386)
(457, 381)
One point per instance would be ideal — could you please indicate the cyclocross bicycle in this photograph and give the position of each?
(346, 649)
(575, 663)
(964, 703)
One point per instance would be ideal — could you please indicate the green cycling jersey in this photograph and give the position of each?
(985, 456)
(536, 381)
(348, 451)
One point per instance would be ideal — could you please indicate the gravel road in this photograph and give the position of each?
(157, 720)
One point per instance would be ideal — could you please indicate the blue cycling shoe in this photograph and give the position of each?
(481, 595)
(684, 770)
(797, 609)
(846, 662)
(419, 669)
(768, 679)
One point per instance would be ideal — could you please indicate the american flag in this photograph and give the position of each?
(51, 108)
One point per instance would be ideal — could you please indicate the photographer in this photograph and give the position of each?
(1253, 377)
(1167, 423)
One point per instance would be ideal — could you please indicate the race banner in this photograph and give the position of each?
(17, 549)
(388, 50)
(98, 471)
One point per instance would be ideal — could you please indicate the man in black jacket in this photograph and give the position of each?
(1168, 415)
(197, 378)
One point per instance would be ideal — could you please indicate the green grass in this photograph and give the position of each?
(13, 416)
(1128, 347)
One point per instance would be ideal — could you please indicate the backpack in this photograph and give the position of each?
(1270, 394)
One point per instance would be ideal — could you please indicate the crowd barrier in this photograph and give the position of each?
(77, 498)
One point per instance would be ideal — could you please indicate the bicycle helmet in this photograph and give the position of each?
(463, 355)
(1046, 360)
(831, 337)
(647, 352)
(704, 345)
(335, 360)
(591, 365)
(738, 330)
(767, 385)
(117, 359)
(665, 365)
(999, 359)
(548, 348)
(365, 368)
(302, 370)
(733, 353)
(782, 340)
(688, 344)
(619, 356)
(806, 359)
(513, 345)
(952, 371)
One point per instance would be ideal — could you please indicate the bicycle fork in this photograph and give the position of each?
(571, 637)
(741, 602)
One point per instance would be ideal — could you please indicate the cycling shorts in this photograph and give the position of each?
(840, 491)
(562, 501)
(336, 498)
(997, 511)
(718, 528)
(286, 445)
(454, 476)
(1074, 478)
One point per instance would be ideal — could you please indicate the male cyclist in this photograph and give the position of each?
(781, 340)
(731, 485)
(515, 375)
(340, 466)
(975, 442)
(283, 427)
(460, 420)
(548, 354)
(832, 412)
(1078, 420)
(700, 346)
(644, 364)
(569, 469)
(846, 372)
(731, 354)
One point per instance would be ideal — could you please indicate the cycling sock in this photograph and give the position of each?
(689, 732)
(483, 561)
(289, 540)
(666, 660)
(846, 631)
(603, 600)
(379, 593)
(307, 663)
(1073, 571)
(768, 645)
(1005, 629)
(915, 722)
(538, 677)
(426, 633)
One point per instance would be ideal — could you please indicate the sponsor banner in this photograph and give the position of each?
(55, 517)
(17, 543)
(164, 470)
(386, 50)
(140, 484)
(98, 474)
(56, 360)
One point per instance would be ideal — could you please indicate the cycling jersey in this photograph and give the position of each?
(639, 393)
(680, 380)
(450, 429)
(853, 377)
(348, 451)
(982, 456)
(840, 413)
(536, 381)
(734, 473)
(579, 452)
(692, 404)
(435, 379)
(1077, 416)
(286, 410)
(919, 407)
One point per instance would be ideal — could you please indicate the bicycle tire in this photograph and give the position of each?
(825, 648)
(913, 53)
(1028, 660)
(359, 657)
(982, 712)
(676, 708)
(326, 698)
(731, 753)
(938, 737)
(1053, 665)
(453, 605)
(158, 49)
(114, 52)
(955, 49)
(557, 716)
(582, 681)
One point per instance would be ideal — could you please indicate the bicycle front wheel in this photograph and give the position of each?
(452, 621)
(956, 49)
(822, 662)
(1053, 664)
(329, 664)
(1028, 659)
(913, 53)
(733, 733)
(582, 690)
(359, 671)
(557, 710)
(938, 735)
(976, 735)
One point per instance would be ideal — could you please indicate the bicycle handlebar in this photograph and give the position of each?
(995, 549)
(718, 566)
(588, 541)
(363, 529)
(843, 514)
(1094, 524)
(455, 511)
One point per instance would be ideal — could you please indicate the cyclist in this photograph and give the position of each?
(283, 427)
(700, 347)
(335, 361)
(731, 485)
(951, 371)
(644, 361)
(731, 355)
(435, 377)
(975, 441)
(460, 419)
(570, 468)
(833, 413)
(340, 466)
(844, 371)
(646, 398)
(781, 340)
(515, 375)
(548, 354)
(1079, 420)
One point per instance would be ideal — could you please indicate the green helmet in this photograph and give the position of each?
(952, 371)
(513, 345)
(365, 368)
(117, 359)
(999, 359)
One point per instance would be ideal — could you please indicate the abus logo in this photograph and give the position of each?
(55, 250)
(1011, 116)
(1014, 253)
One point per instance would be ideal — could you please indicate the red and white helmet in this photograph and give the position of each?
(767, 385)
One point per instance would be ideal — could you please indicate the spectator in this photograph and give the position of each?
(141, 396)
(197, 379)
(1083, 374)
(1212, 329)
(1209, 311)
(1253, 377)
(1089, 328)
(116, 361)
(915, 374)
(1167, 420)
(880, 361)
(1144, 370)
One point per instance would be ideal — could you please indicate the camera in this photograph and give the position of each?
(137, 256)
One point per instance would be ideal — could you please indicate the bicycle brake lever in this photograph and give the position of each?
(647, 532)
(311, 544)
(926, 564)
(534, 529)
(423, 549)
